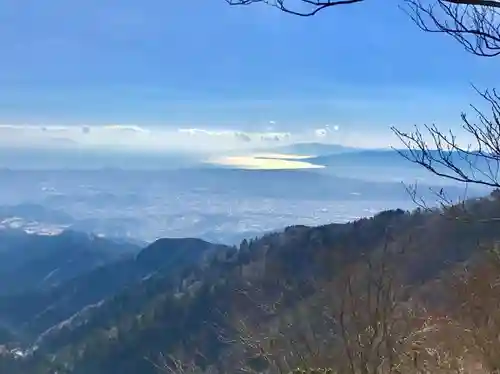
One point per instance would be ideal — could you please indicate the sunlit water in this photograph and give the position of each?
(269, 161)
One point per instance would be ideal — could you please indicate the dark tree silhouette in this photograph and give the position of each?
(441, 153)
(466, 20)
(303, 8)
(475, 24)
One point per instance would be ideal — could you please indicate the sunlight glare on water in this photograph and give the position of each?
(266, 162)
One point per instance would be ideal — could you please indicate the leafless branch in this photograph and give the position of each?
(473, 23)
(302, 8)
(477, 163)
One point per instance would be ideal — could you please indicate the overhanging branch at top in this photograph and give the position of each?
(303, 8)
(473, 23)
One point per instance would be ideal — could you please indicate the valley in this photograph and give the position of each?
(122, 315)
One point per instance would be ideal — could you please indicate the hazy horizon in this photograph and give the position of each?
(173, 75)
(182, 139)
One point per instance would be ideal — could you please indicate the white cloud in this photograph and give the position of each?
(271, 126)
(320, 133)
(127, 128)
(196, 131)
(275, 136)
(34, 135)
(189, 139)
(231, 135)
(325, 131)
(135, 137)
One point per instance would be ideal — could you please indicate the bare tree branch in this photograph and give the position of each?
(477, 163)
(474, 24)
(302, 8)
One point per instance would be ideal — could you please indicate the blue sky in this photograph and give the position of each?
(204, 64)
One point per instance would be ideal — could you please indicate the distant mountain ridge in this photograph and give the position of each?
(390, 157)
(308, 149)
(395, 165)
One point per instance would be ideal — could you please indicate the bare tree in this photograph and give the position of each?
(477, 162)
(473, 23)
(361, 322)
(474, 309)
(302, 8)
(476, 25)
(377, 323)
(462, 335)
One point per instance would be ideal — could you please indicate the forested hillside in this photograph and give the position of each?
(43, 261)
(213, 305)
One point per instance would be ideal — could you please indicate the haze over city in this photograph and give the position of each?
(260, 186)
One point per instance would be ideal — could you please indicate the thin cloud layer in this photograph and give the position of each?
(190, 139)
(137, 137)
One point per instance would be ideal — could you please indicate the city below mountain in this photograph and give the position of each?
(249, 186)
(80, 304)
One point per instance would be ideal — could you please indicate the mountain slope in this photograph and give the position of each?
(176, 313)
(43, 261)
(171, 312)
(38, 310)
